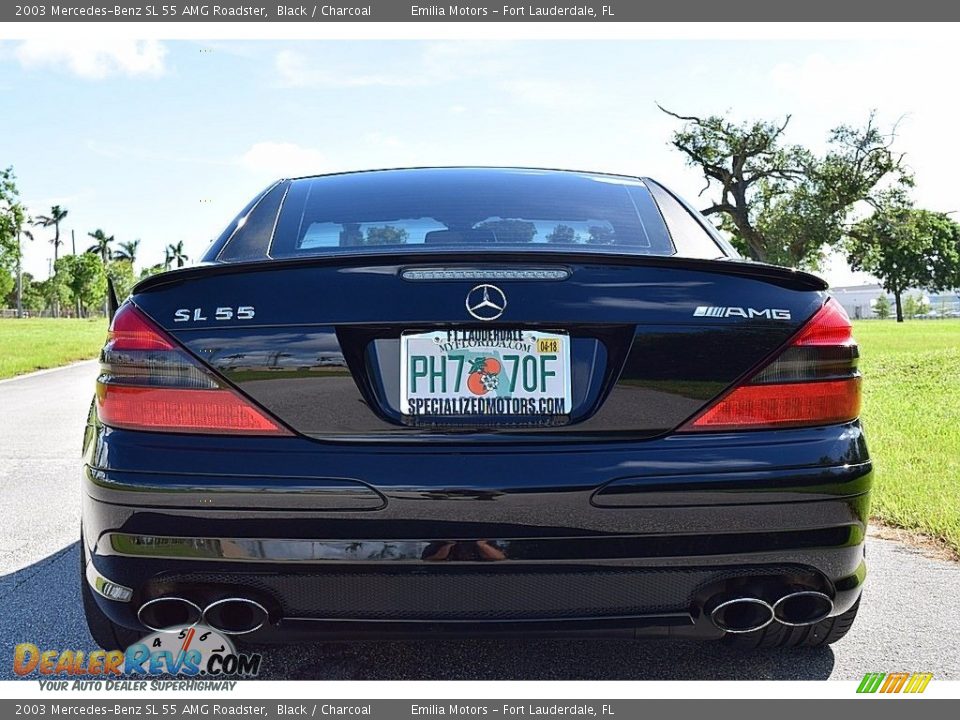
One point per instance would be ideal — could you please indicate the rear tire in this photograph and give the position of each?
(776, 635)
(106, 633)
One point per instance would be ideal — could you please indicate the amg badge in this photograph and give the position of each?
(744, 312)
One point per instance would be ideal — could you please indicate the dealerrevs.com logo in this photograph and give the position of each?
(193, 652)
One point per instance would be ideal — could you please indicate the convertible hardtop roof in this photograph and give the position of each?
(468, 168)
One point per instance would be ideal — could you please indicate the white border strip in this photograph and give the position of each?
(423, 691)
(768, 31)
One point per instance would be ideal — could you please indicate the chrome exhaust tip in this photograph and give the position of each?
(804, 607)
(235, 616)
(742, 615)
(169, 614)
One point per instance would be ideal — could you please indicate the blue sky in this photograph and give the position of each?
(165, 141)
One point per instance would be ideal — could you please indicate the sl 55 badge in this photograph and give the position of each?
(241, 312)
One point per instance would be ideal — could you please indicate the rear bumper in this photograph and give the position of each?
(613, 539)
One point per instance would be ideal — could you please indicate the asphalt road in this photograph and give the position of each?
(908, 620)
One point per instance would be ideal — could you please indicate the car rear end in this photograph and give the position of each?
(473, 401)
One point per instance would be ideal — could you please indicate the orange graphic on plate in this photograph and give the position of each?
(483, 375)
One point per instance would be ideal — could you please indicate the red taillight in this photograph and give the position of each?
(147, 408)
(147, 382)
(130, 330)
(812, 403)
(829, 327)
(813, 381)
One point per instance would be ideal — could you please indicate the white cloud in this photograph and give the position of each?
(438, 62)
(828, 80)
(146, 153)
(504, 67)
(95, 59)
(384, 140)
(282, 159)
(453, 61)
(295, 70)
(544, 93)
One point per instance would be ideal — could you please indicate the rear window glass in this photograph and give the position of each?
(468, 209)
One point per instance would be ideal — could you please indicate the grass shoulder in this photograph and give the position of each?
(40, 343)
(911, 411)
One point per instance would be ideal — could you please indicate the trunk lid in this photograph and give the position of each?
(318, 342)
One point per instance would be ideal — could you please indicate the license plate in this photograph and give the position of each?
(469, 373)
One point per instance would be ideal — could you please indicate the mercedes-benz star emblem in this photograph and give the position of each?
(486, 302)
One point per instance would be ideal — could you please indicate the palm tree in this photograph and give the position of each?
(102, 245)
(21, 233)
(175, 254)
(127, 251)
(56, 216)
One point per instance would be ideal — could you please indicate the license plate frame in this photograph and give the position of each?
(531, 378)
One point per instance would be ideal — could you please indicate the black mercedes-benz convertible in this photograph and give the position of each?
(452, 401)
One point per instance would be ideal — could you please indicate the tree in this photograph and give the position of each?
(24, 233)
(153, 270)
(510, 231)
(101, 245)
(53, 291)
(127, 251)
(12, 219)
(907, 248)
(84, 278)
(9, 298)
(175, 254)
(913, 306)
(7, 284)
(386, 235)
(28, 293)
(351, 235)
(563, 234)
(782, 203)
(56, 216)
(600, 235)
(881, 308)
(121, 274)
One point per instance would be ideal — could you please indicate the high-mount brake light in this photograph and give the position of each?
(148, 382)
(813, 381)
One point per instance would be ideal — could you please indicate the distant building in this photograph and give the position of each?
(858, 300)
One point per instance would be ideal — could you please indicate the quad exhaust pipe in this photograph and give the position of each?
(164, 613)
(803, 607)
(239, 615)
(235, 616)
(749, 614)
(230, 616)
(742, 615)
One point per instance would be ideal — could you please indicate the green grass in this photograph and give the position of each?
(38, 343)
(911, 411)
